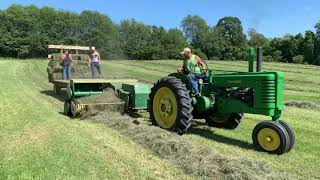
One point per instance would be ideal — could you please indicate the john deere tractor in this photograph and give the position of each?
(222, 101)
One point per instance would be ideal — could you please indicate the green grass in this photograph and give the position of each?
(37, 141)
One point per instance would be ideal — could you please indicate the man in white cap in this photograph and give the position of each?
(94, 62)
(192, 66)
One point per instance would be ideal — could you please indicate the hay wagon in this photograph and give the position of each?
(80, 68)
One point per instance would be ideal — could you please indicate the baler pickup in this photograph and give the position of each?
(94, 95)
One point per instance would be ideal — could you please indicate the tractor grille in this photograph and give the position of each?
(268, 91)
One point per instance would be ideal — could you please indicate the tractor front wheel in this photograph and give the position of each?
(170, 105)
(272, 137)
(227, 121)
(290, 133)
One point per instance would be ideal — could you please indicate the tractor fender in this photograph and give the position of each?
(184, 79)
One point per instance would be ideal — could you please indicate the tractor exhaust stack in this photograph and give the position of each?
(251, 59)
(259, 59)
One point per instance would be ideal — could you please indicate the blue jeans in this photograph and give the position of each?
(194, 78)
(95, 69)
(66, 73)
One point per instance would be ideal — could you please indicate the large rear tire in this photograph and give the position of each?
(227, 121)
(170, 105)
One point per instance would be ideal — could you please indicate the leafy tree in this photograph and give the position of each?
(197, 32)
(317, 45)
(98, 30)
(174, 42)
(136, 39)
(308, 46)
(231, 30)
(298, 59)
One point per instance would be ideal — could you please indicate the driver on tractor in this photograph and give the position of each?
(192, 65)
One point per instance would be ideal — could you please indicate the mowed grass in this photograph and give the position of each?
(303, 160)
(37, 141)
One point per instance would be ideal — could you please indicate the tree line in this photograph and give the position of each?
(26, 32)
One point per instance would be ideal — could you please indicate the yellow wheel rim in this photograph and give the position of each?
(269, 139)
(165, 108)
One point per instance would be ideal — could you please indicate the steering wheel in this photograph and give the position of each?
(204, 70)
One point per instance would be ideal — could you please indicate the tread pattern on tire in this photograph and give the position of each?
(284, 136)
(290, 133)
(184, 105)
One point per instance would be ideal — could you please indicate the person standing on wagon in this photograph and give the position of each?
(66, 64)
(94, 62)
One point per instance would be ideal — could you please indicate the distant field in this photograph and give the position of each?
(37, 141)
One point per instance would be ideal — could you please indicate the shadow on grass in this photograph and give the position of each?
(208, 134)
(51, 93)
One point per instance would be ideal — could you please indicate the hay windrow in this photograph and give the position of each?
(303, 104)
(203, 162)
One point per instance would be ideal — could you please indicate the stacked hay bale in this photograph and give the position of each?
(80, 68)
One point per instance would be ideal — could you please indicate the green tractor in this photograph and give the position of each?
(222, 102)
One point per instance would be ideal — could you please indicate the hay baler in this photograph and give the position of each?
(94, 95)
(222, 101)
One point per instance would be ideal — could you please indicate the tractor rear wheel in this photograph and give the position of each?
(290, 133)
(171, 106)
(67, 108)
(227, 121)
(272, 137)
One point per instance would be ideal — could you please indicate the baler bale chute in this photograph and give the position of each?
(222, 101)
(94, 95)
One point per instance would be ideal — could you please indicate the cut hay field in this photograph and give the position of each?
(38, 142)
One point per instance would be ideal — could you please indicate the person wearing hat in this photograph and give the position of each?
(94, 62)
(192, 65)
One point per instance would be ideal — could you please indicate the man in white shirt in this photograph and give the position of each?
(94, 62)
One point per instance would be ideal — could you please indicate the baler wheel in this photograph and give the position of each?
(171, 106)
(74, 109)
(270, 136)
(56, 90)
(227, 121)
(67, 108)
(290, 133)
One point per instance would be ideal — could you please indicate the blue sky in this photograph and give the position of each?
(270, 17)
